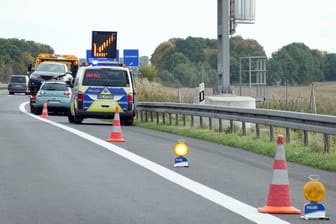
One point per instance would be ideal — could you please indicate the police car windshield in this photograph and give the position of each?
(105, 77)
(51, 67)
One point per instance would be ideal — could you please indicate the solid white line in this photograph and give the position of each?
(215, 196)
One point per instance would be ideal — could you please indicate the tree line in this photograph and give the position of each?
(187, 62)
(15, 55)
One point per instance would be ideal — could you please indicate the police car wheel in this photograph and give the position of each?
(77, 119)
(128, 122)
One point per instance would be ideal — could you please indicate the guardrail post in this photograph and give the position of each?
(170, 118)
(163, 117)
(151, 115)
(220, 125)
(141, 117)
(244, 127)
(192, 121)
(231, 126)
(287, 135)
(210, 123)
(305, 137)
(184, 119)
(326, 143)
(157, 117)
(257, 130)
(177, 121)
(271, 133)
(201, 121)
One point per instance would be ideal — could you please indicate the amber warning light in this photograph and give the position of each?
(104, 44)
(181, 150)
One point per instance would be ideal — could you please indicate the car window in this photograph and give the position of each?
(18, 79)
(106, 77)
(46, 67)
(54, 87)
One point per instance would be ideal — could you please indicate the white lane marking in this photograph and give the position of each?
(215, 196)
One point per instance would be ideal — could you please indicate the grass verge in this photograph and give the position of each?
(295, 152)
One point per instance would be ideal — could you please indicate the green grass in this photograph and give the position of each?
(295, 151)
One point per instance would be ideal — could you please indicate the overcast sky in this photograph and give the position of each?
(66, 25)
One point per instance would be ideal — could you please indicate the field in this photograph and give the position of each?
(292, 98)
(298, 98)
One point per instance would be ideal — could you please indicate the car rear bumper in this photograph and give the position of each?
(51, 103)
(18, 90)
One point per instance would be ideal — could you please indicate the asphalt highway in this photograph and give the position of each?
(55, 172)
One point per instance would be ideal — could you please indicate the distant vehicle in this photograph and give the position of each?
(18, 84)
(56, 94)
(98, 90)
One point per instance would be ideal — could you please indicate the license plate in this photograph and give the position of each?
(53, 101)
(109, 97)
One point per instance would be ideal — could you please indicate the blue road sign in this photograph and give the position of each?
(131, 57)
(89, 57)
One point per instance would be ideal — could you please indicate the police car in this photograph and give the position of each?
(99, 90)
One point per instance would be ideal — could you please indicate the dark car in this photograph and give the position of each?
(18, 84)
(49, 71)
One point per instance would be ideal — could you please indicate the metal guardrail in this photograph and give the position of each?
(306, 122)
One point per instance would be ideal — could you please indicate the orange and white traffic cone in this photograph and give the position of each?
(279, 197)
(116, 135)
(44, 110)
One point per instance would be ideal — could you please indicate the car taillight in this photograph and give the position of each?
(10, 85)
(67, 93)
(130, 98)
(80, 96)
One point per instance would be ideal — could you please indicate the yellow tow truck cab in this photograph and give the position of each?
(71, 61)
